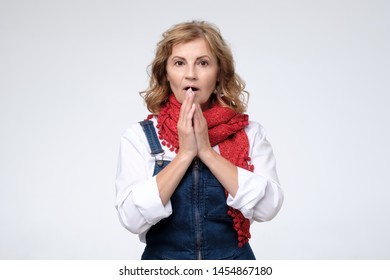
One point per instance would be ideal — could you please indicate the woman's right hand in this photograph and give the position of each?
(185, 128)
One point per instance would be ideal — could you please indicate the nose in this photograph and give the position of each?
(191, 73)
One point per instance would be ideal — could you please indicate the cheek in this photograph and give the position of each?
(212, 79)
(170, 74)
(174, 80)
(168, 77)
(211, 83)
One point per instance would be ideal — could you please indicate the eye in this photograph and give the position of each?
(204, 63)
(179, 63)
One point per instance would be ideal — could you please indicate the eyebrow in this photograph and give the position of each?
(200, 57)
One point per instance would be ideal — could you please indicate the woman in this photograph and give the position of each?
(195, 174)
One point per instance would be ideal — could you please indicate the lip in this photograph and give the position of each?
(192, 87)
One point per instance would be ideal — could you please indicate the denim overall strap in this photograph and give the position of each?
(155, 147)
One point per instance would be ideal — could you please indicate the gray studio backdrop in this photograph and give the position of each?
(318, 73)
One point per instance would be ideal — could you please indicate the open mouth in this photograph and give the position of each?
(192, 88)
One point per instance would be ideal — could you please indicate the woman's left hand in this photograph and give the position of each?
(225, 172)
(201, 132)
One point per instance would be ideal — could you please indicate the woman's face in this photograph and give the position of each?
(192, 65)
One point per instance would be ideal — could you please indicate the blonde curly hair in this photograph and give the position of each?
(230, 88)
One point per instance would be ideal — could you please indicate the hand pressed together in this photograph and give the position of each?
(192, 129)
(194, 142)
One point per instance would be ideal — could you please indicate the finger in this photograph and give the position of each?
(200, 112)
(196, 116)
(187, 103)
(191, 113)
(187, 110)
(199, 118)
(183, 110)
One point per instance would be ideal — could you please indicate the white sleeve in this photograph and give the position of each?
(137, 197)
(259, 195)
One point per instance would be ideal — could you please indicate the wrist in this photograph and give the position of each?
(207, 155)
(185, 157)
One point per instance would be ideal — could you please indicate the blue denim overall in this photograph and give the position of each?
(199, 226)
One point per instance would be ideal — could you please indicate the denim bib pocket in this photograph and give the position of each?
(216, 207)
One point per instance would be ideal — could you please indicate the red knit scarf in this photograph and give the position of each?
(226, 129)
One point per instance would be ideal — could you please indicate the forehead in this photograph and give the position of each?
(196, 47)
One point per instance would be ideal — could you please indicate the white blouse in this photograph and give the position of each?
(259, 196)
